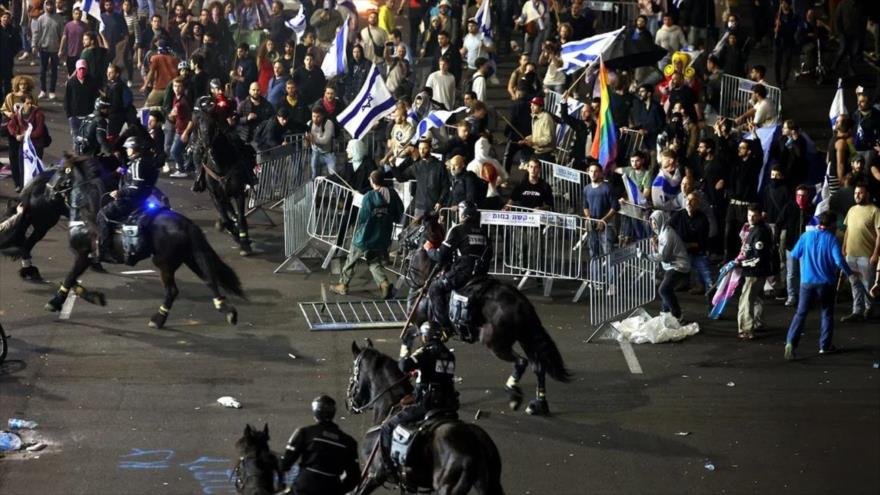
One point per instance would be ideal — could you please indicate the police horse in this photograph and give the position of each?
(169, 237)
(257, 470)
(492, 312)
(442, 454)
(227, 164)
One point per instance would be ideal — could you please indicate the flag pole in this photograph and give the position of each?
(584, 73)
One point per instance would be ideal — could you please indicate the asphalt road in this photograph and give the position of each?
(128, 409)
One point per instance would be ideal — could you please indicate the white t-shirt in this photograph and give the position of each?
(443, 87)
(765, 113)
(478, 86)
(474, 45)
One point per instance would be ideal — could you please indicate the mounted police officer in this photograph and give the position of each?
(434, 367)
(324, 453)
(91, 138)
(465, 254)
(204, 112)
(135, 186)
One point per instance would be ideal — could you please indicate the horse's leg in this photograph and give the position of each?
(225, 222)
(538, 405)
(219, 301)
(171, 291)
(28, 271)
(79, 267)
(243, 240)
(514, 393)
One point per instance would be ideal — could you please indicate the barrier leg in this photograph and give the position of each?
(580, 291)
(523, 280)
(548, 286)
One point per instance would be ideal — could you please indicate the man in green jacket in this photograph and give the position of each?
(380, 208)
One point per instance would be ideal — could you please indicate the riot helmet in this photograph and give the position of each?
(468, 211)
(324, 408)
(430, 331)
(101, 104)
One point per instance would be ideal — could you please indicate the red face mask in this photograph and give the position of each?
(802, 202)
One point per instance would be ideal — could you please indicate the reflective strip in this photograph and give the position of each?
(331, 442)
(321, 472)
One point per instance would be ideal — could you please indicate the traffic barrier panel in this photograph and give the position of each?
(628, 143)
(280, 171)
(568, 186)
(736, 96)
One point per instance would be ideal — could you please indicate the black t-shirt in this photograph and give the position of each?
(712, 173)
(530, 195)
(684, 95)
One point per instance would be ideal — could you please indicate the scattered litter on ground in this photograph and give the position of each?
(231, 402)
(36, 447)
(291, 355)
(9, 442)
(731, 384)
(709, 466)
(479, 413)
(682, 433)
(641, 328)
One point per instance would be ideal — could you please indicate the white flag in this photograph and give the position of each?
(372, 103)
(434, 119)
(92, 8)
(298, 23)
(837, 106)
(579, 54)
(31, 163)
(335, 61)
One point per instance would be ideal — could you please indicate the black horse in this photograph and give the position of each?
(454, 457)
(228, 165)
(44, 200)
(170, 238)
(500, 316)
(257, 466)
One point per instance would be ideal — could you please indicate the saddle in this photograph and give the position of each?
(135, 241)
(407, 437)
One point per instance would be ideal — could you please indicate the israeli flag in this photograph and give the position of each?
(579, 54)
(484, 27)
(334, 62)
(573, 107)
(31, 163)
(837, 106)
(92, 8)
(372, 103)
(766, 136)
(298, 23)
(633, 193)
(435, 119)
(144, 114)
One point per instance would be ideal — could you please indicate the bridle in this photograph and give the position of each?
(241, 473)
(352, 385)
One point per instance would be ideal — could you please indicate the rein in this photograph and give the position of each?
(240, 475)
(354, 379)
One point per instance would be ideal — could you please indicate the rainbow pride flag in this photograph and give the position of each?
(605, 141)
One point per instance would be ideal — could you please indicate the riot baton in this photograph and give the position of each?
(422, 291)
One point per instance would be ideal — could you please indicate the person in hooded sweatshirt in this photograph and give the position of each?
(361, 163)
(669, 250)
(490, 170)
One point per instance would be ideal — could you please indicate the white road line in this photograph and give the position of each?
(630, 355)
(137, 272)
(67, 308)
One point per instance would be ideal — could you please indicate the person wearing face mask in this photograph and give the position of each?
(759, 261)
(360, 165)
(795, 217)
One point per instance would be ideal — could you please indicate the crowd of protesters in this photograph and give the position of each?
(700, 174)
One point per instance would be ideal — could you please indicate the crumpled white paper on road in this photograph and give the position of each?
(642, 328)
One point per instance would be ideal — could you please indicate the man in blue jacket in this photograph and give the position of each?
(820, 258)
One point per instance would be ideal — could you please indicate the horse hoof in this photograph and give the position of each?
(158, 320)
(515, 395)
(53, 306)
(245, 252)
(538, 407)
(30, 273)
(97, 267)
(232, 316)
(94, 297)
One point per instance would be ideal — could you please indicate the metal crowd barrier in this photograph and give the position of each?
(612, 15)
(568, 186)
(620, 282)
(296, 237)
(736, 96)
(280, 171)
(628, 143)
(552, 99)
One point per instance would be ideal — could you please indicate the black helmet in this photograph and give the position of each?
(205, 104)
(324, 408)
(430, 331)
(469, 211)
(133, 142)
(101, 104)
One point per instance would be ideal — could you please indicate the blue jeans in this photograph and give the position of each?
(700, 264)
(168, 131)
(792, 275)
(322, 158)
(177, 149)
(825, 294)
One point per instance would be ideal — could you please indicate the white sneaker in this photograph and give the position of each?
(179, 175)
(166, 169)
(52, 96)
(41, 95)
(23, 56)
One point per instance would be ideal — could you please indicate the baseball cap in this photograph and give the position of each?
(537, 100)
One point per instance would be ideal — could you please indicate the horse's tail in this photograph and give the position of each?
(210, 265)
(541, 349)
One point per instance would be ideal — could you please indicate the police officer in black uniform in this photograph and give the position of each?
(91, 138)
(324, 453)
(434, 367)
(135, 186)
(464, 254)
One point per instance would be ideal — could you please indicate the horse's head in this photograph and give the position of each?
(375, 380)
(253, 440)
(427, 228)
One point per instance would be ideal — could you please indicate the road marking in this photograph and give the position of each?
(137, 272)
(630, 355)
(67, 308)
